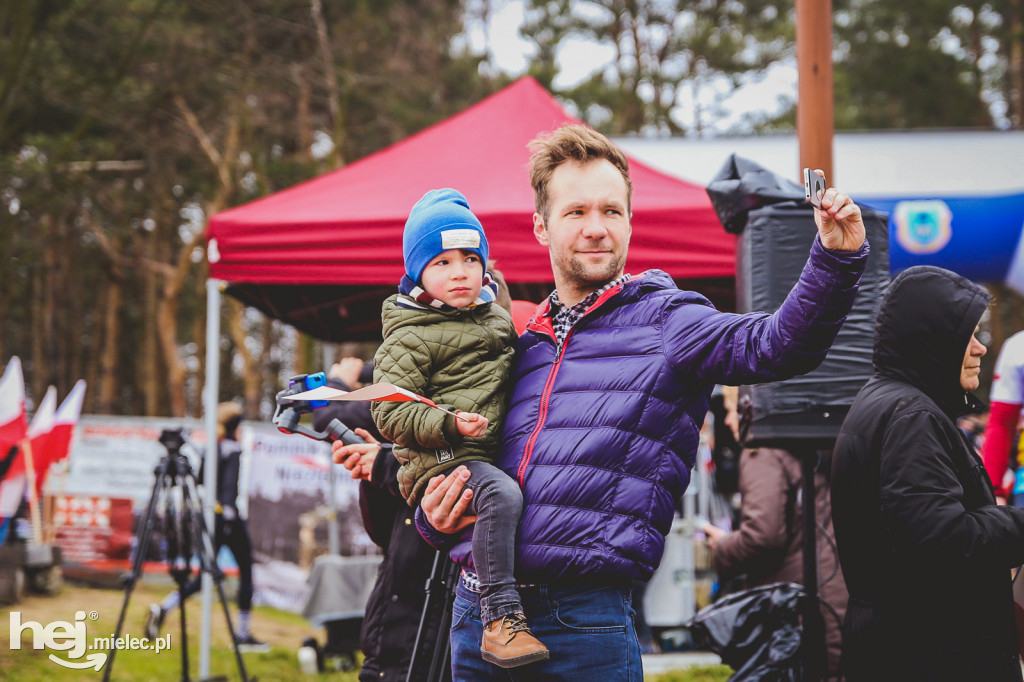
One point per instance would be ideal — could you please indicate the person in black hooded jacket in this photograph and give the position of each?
(395, 605)
(926, 553)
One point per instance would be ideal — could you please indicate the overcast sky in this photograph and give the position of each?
(577, 59)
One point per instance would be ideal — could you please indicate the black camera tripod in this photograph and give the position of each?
(175, 486)
(433, 659)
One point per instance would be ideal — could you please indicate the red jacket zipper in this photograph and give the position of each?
(545, 396)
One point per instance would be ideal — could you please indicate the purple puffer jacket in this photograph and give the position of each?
(601, 434)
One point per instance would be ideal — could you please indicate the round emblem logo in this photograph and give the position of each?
(923, 226)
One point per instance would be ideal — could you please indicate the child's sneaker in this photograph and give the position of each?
(251, 645)
(508, 642)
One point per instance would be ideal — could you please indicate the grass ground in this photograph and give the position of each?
(284, 631)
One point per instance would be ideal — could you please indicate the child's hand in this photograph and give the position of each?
(471, 424)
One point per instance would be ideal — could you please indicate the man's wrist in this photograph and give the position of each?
(844, 254)
(432, 536)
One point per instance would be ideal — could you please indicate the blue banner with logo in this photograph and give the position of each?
(977, 237)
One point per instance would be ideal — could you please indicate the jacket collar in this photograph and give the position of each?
(629, 289)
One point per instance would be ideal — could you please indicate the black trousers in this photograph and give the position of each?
(235, 535)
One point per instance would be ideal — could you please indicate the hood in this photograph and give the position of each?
(924, 324)
(650, 280)
(639, 286)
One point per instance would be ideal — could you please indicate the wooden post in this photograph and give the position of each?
(815, 108)
(815, 125)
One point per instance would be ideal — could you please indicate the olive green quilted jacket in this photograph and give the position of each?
(461, 360)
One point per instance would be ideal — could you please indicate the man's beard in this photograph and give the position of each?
(583, 274)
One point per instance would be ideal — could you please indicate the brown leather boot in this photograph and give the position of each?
(508, 642)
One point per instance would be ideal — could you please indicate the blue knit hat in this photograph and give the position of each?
(440, 221)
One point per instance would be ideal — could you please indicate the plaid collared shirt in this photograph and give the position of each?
(564, 318)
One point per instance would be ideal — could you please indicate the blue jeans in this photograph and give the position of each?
(498, 504)
(589, 631)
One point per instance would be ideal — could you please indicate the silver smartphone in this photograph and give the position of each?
(814, 187)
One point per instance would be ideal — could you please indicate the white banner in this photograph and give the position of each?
(283, 492)
(116, 457)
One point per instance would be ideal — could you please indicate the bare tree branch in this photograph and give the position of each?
(317, 10)
(204, 140)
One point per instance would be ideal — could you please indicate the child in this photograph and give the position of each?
(446, 340)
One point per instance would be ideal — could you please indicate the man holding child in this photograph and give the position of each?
(611, 382)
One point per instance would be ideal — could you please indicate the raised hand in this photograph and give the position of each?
(839, 221)
(347, 370)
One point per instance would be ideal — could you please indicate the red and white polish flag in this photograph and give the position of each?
(51, 436)
(13, 422)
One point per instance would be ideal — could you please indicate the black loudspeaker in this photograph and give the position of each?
(771, 253)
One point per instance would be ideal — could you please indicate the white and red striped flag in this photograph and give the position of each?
(51, 440)
(13, 422)
(42, 420)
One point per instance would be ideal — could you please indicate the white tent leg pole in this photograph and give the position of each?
(210, 491)
(330, 356)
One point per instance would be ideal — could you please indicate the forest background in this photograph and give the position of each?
(124, 125)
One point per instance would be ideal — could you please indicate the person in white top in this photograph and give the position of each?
(1006, 399)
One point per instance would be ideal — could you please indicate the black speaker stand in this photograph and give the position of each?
(809, 452)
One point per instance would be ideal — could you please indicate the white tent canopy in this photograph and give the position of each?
(875, 164)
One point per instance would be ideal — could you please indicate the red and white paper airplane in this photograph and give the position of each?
(371, 392)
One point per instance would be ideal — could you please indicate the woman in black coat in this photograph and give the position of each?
(394, 608)
(926, 553)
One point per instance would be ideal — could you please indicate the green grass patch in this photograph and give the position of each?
(703, 673)
(283, 630)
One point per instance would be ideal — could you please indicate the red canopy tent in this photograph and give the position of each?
(324, 254)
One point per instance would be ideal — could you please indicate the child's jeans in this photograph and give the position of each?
(498, 503)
